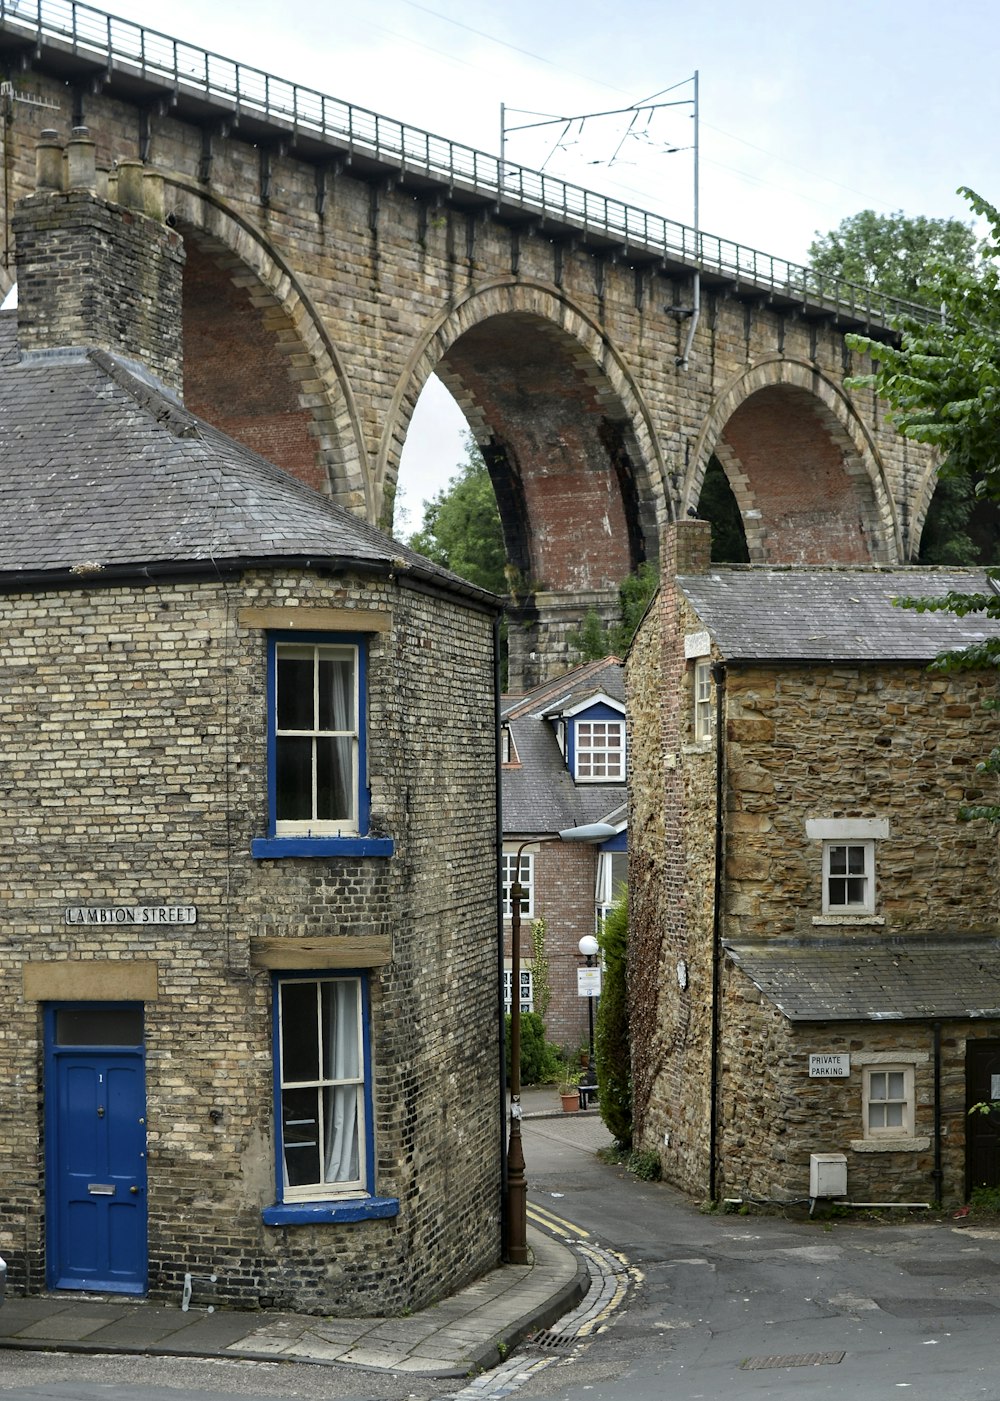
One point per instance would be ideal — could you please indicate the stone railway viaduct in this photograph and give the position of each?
(336, 259)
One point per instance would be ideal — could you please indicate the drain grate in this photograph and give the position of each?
(551, 1341)
(794, 1359)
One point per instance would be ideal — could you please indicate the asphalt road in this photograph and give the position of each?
(748, 1306)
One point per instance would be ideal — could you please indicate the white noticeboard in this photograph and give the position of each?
(588, 982)
(832, 1067)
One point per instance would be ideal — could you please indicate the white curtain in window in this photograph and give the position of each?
(342, 700)
(341, 1150)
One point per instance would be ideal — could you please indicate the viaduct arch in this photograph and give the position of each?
(336, 260)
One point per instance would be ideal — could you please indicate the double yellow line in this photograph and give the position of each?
(558, 1225)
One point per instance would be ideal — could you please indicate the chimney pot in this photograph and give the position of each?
(154, 196)
(130, 185)
(49, 161)
(81, 161)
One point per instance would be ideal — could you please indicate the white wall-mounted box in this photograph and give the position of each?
(827, 1175)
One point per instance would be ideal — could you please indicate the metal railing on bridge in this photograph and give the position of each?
(243, 90)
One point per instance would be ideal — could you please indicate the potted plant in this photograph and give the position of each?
(569, 1090)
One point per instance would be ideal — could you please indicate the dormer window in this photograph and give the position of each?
(508, 750)
(600, 751)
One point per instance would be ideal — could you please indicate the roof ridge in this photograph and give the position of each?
(148, 394)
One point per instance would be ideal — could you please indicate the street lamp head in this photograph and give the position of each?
(588, 946)
(589, 832)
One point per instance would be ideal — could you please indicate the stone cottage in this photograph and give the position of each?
(813, 948)
(249, 1011)
(563, 765)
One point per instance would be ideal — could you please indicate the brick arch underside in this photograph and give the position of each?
(559, 448)
(238, 366)
(803, 491)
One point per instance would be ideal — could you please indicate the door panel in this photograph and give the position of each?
(97, 1167)
(982, 1143)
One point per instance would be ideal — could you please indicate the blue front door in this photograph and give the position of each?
(96, 1150)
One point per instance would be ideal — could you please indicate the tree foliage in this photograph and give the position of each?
(943, 386)
(461, 528)
(595, 639)
(611, 1032)
(718, 505)
(894, 254)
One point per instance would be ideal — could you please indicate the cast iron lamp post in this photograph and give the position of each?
(517, 1186)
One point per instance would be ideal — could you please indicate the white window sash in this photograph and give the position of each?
(882, 1095)
(343, 735)
(527, 882)
(527, 989)
(849, 877)
(702, 700)
(336, 1091)
(600, 751)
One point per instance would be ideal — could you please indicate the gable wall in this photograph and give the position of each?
(671, 878)
(895, 742)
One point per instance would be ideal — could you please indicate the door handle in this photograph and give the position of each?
(134, 1191)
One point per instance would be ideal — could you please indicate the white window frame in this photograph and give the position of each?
(507, 861)
(322, 1088)
(527, 989)
(348, 823)
(702, 699)
(597, 757)
(837, 880)
(877, 1099)
(606, 890)
(508, 749)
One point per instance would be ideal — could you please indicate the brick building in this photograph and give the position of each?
(813, 942)
(248, 995)
(563, 765)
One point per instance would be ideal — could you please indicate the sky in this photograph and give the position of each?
(808, 112)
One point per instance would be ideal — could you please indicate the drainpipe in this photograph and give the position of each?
(719, 677)
(937, 1176)
(499, 918)
(682, 359)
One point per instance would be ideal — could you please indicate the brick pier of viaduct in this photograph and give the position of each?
(326, 279)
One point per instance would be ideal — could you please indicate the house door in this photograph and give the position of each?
(982, 1131)
(96, 1149)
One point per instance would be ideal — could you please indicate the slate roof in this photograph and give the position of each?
(760, 613)
(102, 467)
(566, 691)
(539, 795)
(879, 981)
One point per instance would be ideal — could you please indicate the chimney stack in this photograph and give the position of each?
(97, 273)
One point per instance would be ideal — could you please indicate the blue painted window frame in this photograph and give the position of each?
(355, 1206)
(600, 711)
(360, 844)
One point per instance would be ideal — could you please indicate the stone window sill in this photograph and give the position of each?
(280, 848)
(848, 921)
(317, 1213)
(890, 1145)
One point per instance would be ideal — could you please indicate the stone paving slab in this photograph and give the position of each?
(453, 1338)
